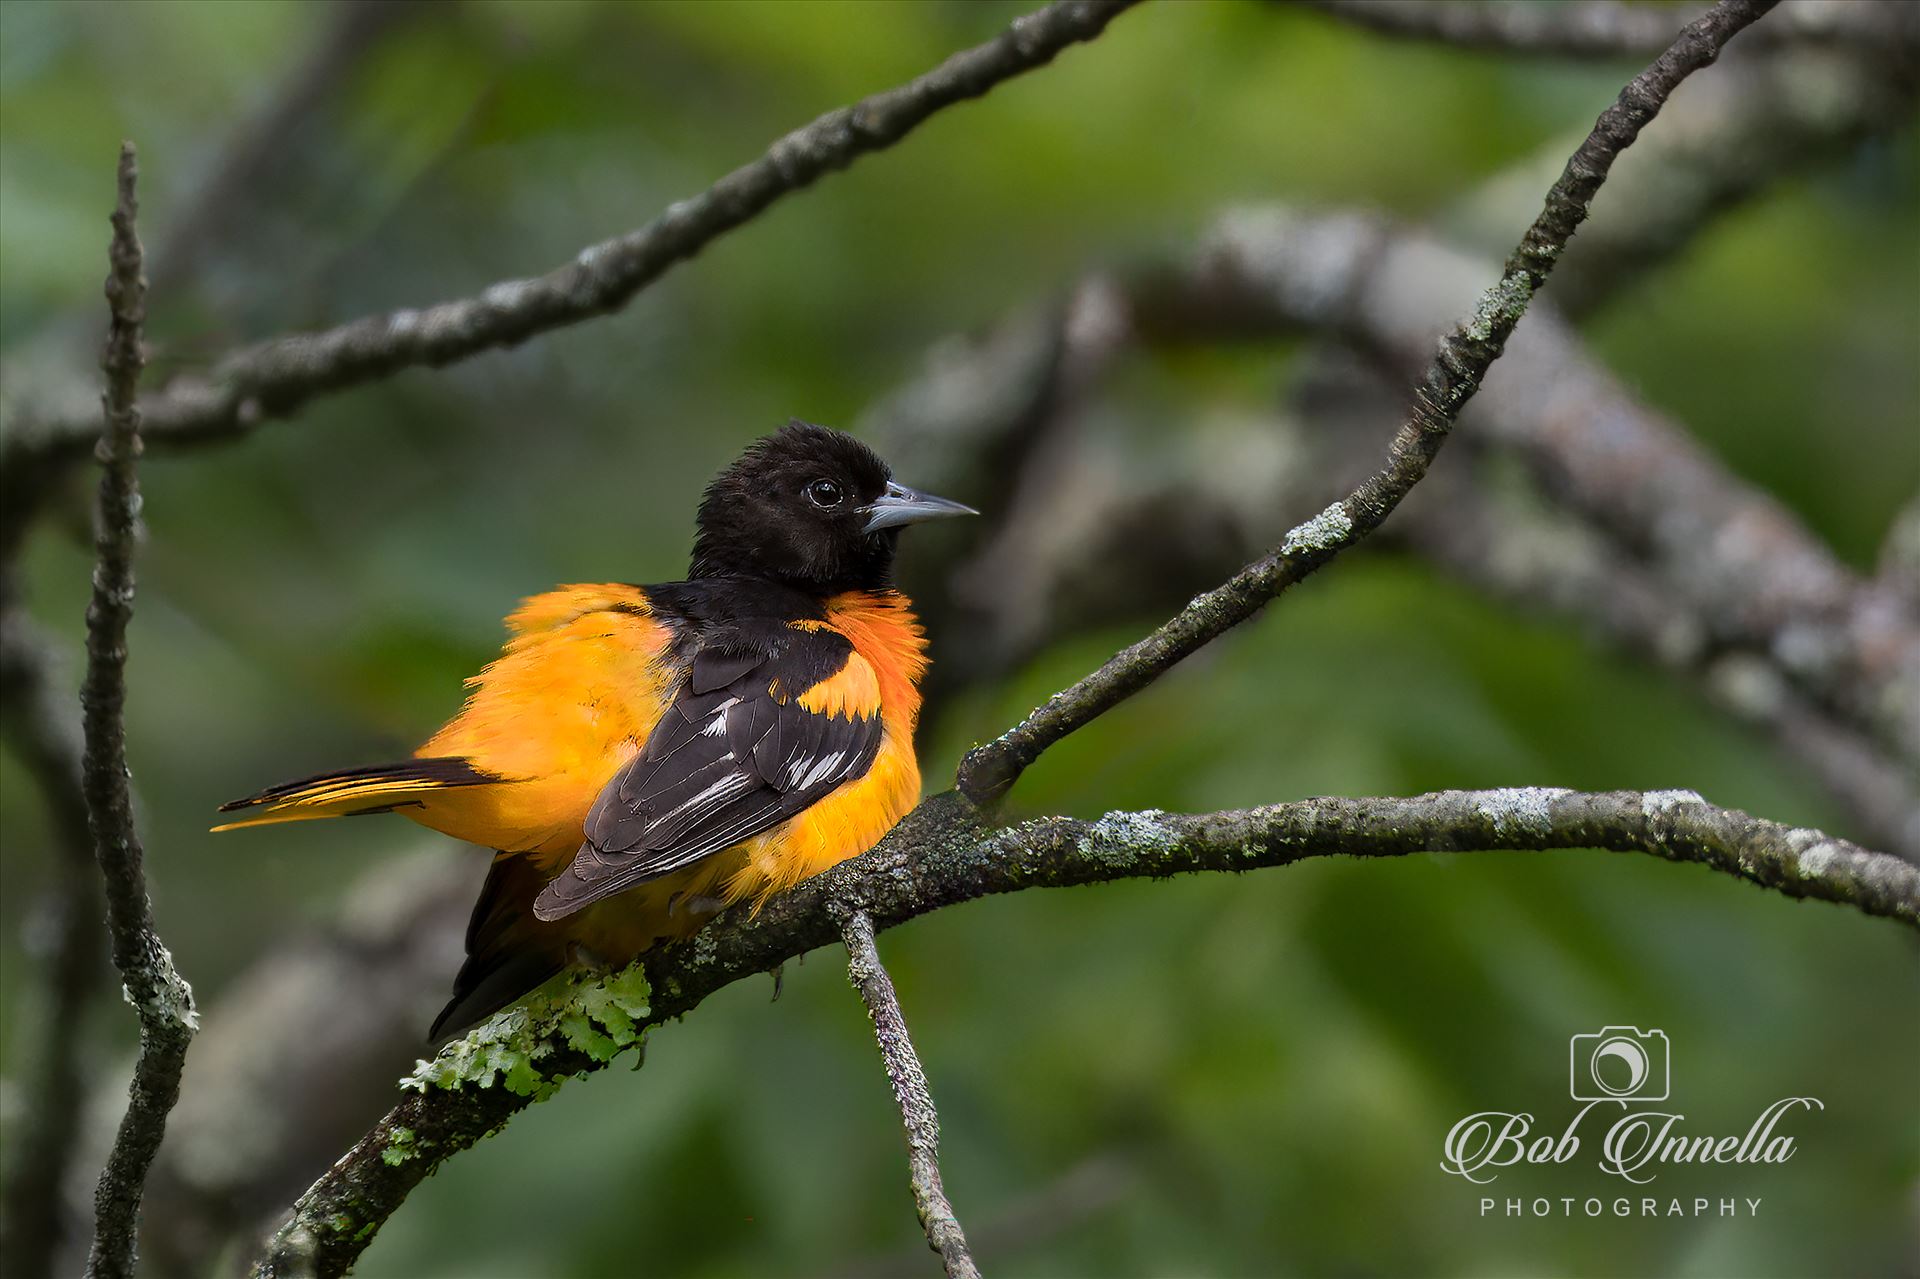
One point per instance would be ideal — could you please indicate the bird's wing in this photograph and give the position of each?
(757, 734)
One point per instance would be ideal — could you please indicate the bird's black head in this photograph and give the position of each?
(811, 508)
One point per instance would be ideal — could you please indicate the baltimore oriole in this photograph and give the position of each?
(642, 756)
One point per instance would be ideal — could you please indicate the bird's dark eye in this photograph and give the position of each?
(825, 494)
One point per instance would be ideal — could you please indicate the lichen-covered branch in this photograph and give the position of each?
(38, 716)
(1450, 381)
(154, 988)
(275, 378)
(947, 852)
(911, 1091)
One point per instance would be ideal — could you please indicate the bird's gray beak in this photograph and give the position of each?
(900, 506)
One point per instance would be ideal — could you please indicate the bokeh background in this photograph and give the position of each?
(1220, 1076)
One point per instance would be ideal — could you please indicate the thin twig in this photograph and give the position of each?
(153, 987)
(911, 1091)
(275, 378)
(45, 733)
(944, 854)
(1451, 380)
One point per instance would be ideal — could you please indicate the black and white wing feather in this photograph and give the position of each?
(734, 756)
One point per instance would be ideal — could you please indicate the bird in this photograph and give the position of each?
(640, 757)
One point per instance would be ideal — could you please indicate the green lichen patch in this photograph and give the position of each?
(601, 1017)
(1500, 308)
(400, 1147)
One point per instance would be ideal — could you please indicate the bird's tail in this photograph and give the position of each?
(378, 788)
(509, 952)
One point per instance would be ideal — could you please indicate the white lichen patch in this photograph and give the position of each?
(1658, 803)
(1813, 851)
(172, 998)
(1519, 810)
(1815, 861)
(1119, 838)
(1321, 533)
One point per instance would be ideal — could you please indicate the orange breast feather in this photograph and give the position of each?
(889, 656)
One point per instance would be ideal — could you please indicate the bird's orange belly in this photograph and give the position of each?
(844, 824)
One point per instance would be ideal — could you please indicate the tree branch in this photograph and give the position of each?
(911, 1091)
(153, 987)
(274, 378)
(1450, 381)
(945, 853)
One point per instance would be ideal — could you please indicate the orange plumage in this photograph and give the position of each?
(626, 734)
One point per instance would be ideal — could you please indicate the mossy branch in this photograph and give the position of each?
(946, 853)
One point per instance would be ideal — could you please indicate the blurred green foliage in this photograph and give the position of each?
(1264, 1066)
